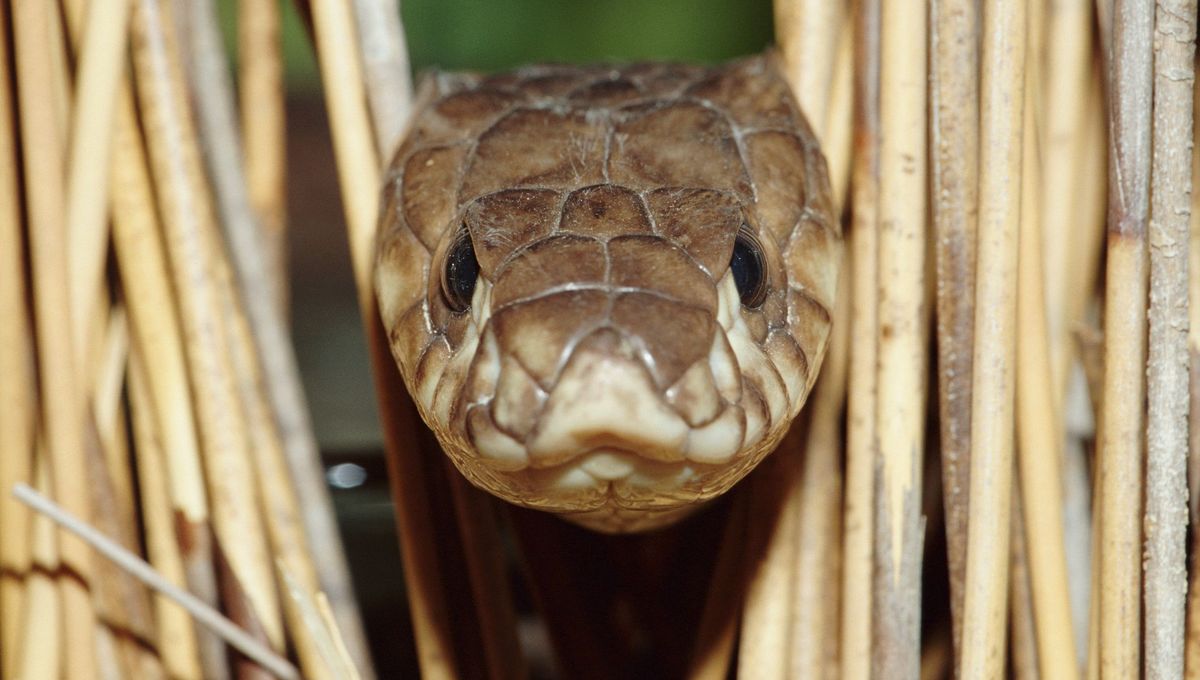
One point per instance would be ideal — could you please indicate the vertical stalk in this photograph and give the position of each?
(1002, 93)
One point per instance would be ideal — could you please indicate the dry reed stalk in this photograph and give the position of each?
(839, 117)
(717, 631)
(1023, 662)
(264, 132)
(156, 335)
(359, 180)
(107, 413)
(280, 505)
(17, 389)
(1121, 445)
(902, 363)
(100, 64)
(1166, 515)
(813, 646)
(250, 252)
(176, 640)
(139, 569)
(766, 614)
(188, 224)
(1079, 416)
(807, 34)
(857, 515)
(62, 407)
(386, 71)
(41, 654)
(1038, 418)
(993, 384)
(358, 162)
(1067, 64)
(954, 95)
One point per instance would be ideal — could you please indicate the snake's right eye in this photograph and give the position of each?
(749, 268)
(460, 273)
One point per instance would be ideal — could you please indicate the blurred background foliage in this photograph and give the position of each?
(492, 35)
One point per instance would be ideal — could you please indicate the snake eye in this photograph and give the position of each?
(460, 273)
(749, 268)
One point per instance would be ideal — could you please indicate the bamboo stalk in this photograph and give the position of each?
(101, 61)
(146, 574)
(263, 125)
(1038, 418)
(813, 646)
(1121, 445)
(386, 71)
(992, 387)
(188, 221)
(157, 338)
(858, 513)
(1167, 374)
(250, 253)
(176, 640)
(16, 377)
(62, 399)
(954, 92)
(902, 359)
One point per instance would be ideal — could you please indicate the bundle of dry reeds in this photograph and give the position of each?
(973, 146)
(148, 381)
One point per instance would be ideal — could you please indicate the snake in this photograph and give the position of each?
(608, 288)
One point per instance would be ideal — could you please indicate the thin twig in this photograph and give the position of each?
(146, 574)
(1167, 375)
(386, 73)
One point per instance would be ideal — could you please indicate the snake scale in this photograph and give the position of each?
(608, 288)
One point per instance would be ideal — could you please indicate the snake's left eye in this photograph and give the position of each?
(749, 268)
(460, 273)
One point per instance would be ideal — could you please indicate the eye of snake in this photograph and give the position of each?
(460, 273)
(749, 268)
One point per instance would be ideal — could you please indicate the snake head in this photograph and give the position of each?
(609, 288)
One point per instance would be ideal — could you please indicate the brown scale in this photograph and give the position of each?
(602, 205)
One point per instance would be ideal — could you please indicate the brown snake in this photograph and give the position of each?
(609, 288)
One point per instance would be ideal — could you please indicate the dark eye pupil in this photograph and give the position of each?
(749, 269)
(460, 274)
